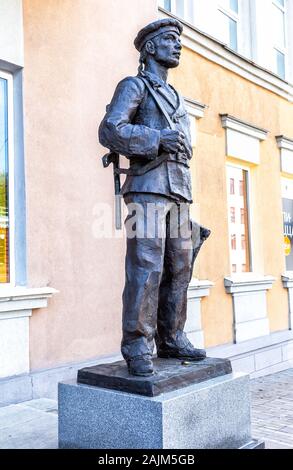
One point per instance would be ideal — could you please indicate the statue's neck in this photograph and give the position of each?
(157, 69)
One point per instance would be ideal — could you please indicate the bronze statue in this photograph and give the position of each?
(147, 122)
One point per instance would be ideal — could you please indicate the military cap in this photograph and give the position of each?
(154, 29)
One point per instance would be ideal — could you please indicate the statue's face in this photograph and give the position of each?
(167, 49)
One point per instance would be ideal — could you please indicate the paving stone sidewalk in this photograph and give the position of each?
(29, 425)
(272, 409)
(34, 424)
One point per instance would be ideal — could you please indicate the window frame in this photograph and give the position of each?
(282, 50)
(11, 206)
(173, 10)
(246, 168)
(163, 6)
(231, 14)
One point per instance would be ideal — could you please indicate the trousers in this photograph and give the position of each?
(158, 267)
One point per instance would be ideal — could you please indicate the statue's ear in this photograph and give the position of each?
(150, 47)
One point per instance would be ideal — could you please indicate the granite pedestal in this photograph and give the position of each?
(212, 414)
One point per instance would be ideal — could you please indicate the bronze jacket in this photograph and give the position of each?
(131, 127)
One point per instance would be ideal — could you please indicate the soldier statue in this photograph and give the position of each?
(147, 122)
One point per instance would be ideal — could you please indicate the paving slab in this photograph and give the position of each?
(29, 425)
(272, 409)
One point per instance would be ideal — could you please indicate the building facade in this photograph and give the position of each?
(61, 260)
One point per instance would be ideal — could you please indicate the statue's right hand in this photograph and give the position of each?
(172, 141)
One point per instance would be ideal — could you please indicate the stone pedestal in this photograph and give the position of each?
(213, 414)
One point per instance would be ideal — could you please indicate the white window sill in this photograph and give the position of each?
(198, 289)
(247, 282)
(218, 52)
(20, 301)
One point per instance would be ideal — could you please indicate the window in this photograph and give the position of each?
(6, 144)
(182, 8)
(230, 4)
(232, 186)
(166, 4)
(233, 242)
(228, 20)
(238, 225)
(232, 215)
(241, 187)
(279, 37)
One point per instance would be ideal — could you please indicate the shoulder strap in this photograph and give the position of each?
(159, 103)
(154, 163)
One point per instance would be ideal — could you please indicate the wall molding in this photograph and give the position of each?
(16, 306)
(195, 108)
(247, 283)
(284, 142)
(23, 298)
(287, 279)
(198, 289)
(236, 124)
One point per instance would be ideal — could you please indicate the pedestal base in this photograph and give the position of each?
(169, 375)
(214, 414)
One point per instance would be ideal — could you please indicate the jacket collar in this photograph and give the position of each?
(154, 80)
(161, 87)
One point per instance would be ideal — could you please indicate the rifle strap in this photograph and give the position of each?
(154, 163)
(159, 103)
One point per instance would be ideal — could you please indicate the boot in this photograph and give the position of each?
(141, 366)
(186, 354)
